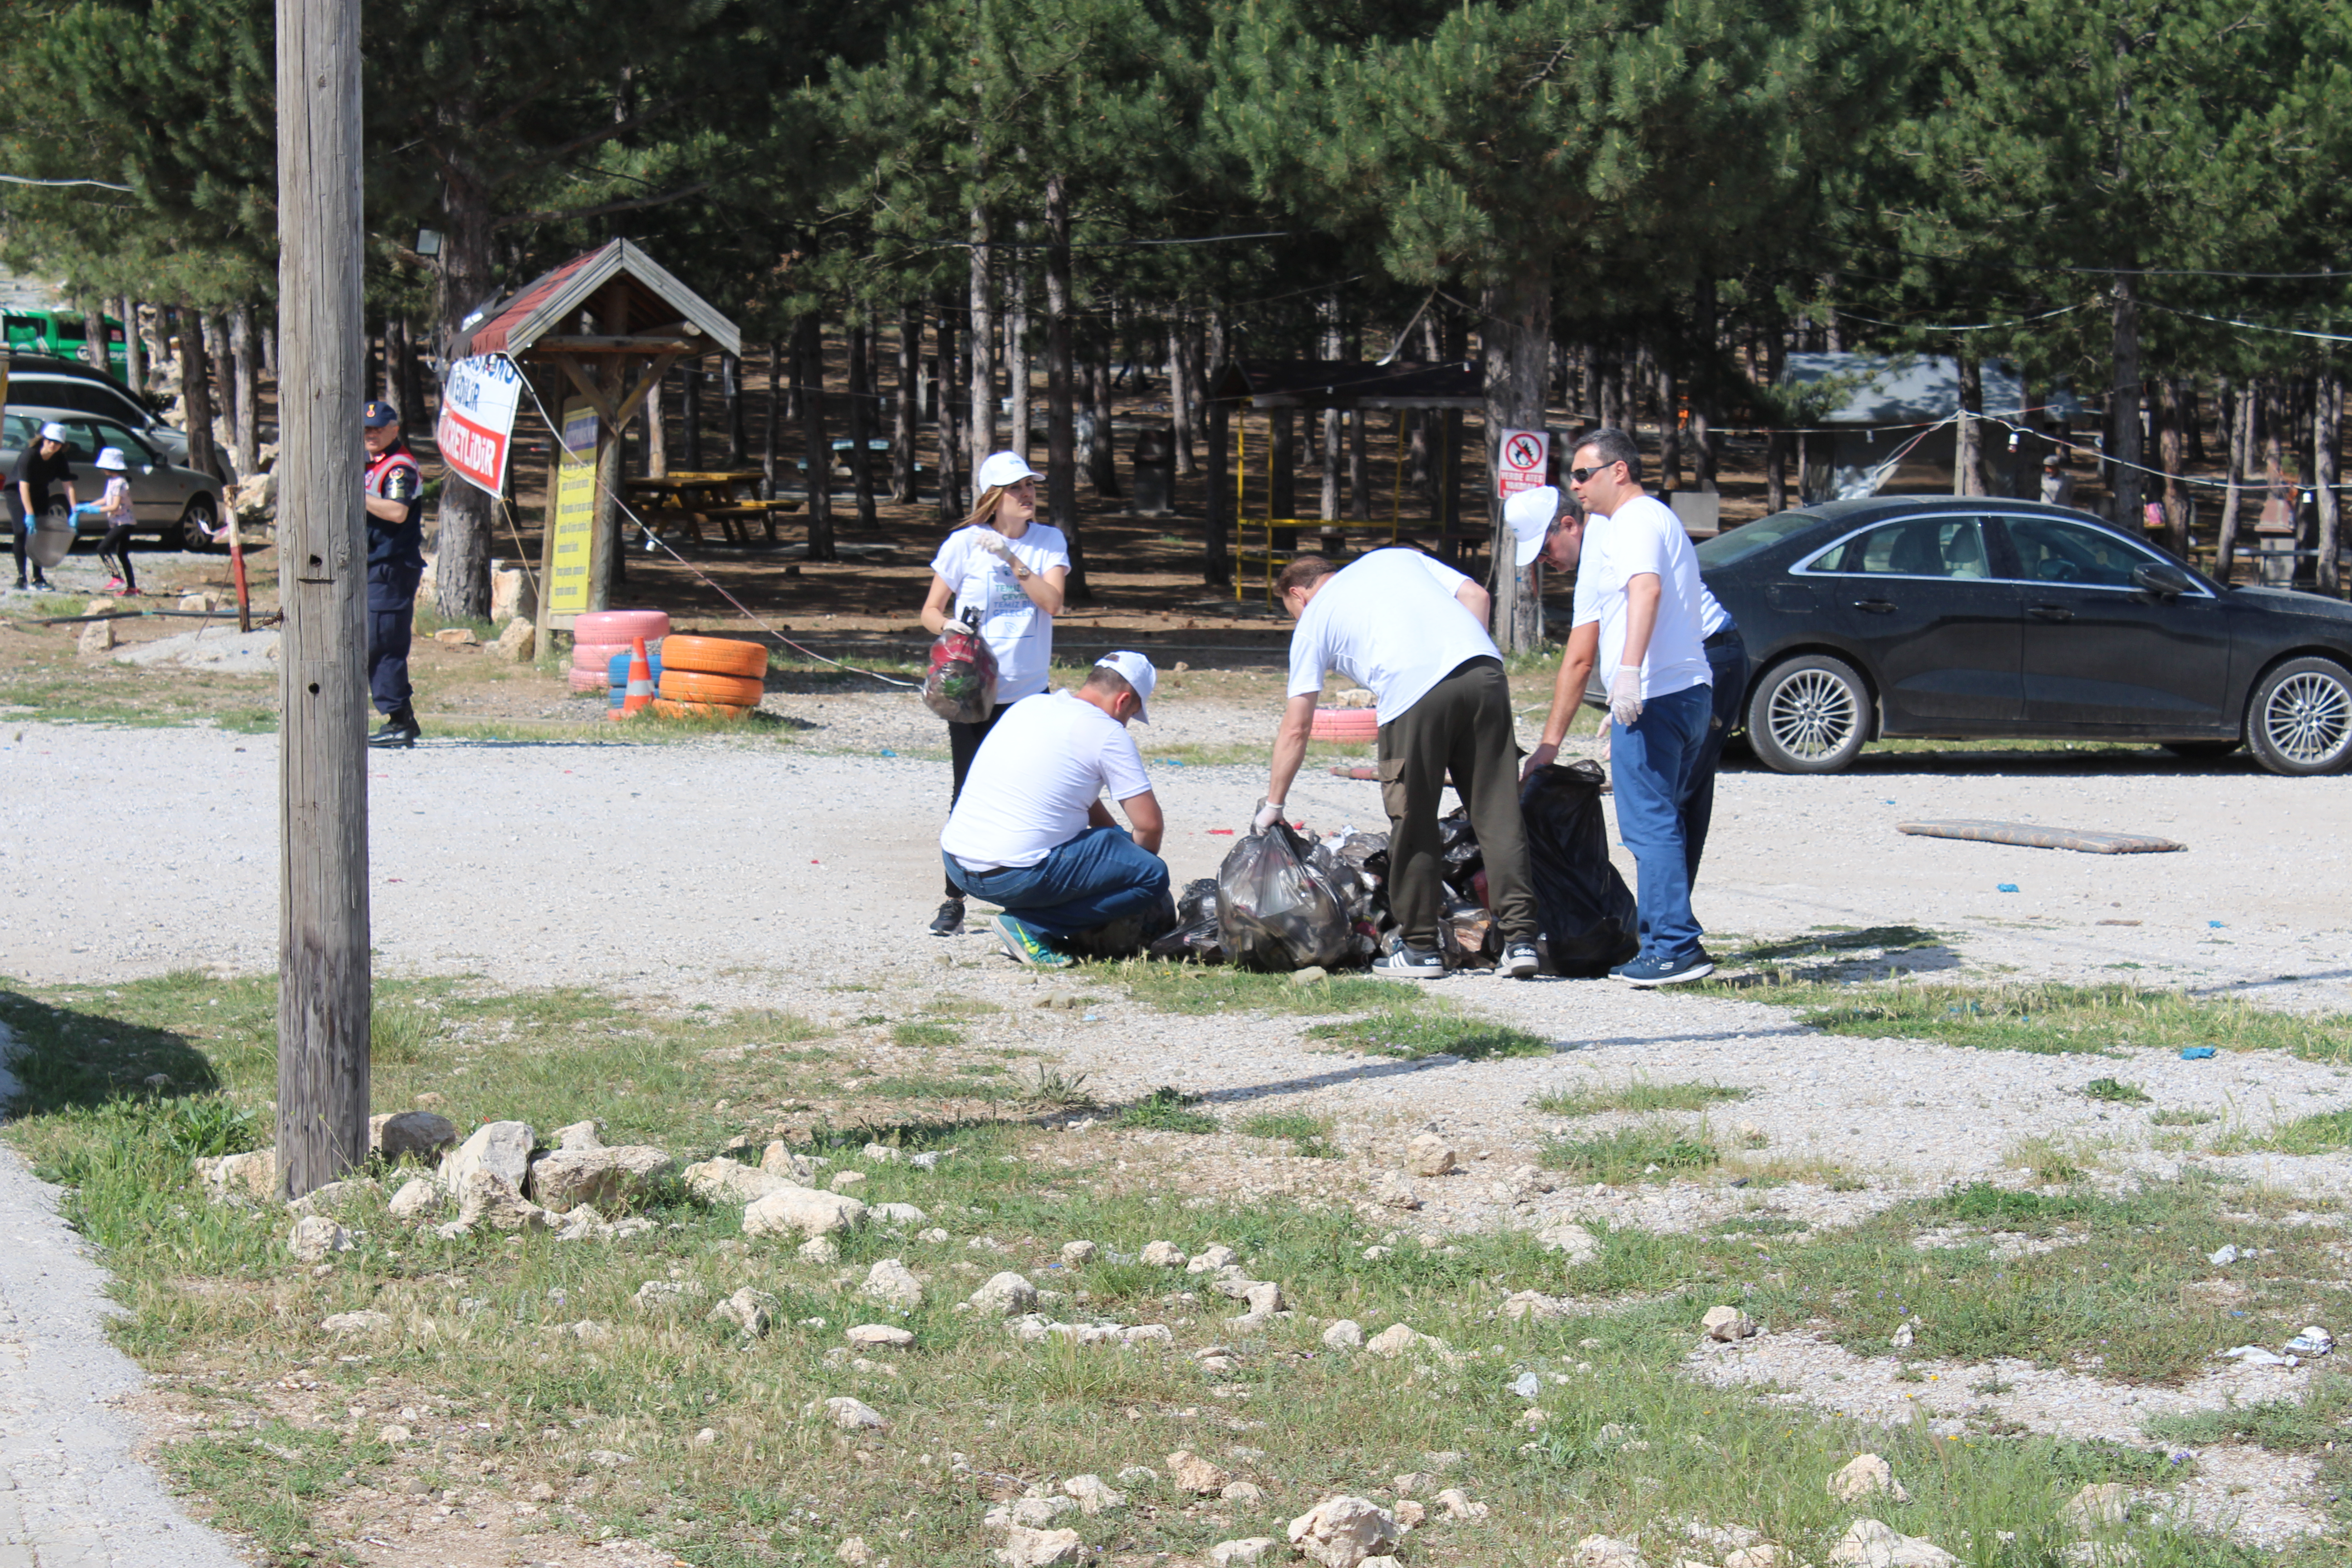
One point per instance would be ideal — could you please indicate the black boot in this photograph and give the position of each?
(399, 732)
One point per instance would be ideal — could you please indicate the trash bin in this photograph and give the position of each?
(1155, 472)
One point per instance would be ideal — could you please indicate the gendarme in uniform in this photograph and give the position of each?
(395, 563)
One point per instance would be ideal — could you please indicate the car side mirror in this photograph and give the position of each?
(2163, 579)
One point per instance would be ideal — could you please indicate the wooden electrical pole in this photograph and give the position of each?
(323, 984)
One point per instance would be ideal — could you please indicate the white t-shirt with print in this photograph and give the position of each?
(1641, 536)
(1046, 761)
(1016, 631)
(1389, 621)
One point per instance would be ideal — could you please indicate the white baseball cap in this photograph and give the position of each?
(1531, 514)
(1133, 668)
(1003, 468)
(54, 432)
(112, 458)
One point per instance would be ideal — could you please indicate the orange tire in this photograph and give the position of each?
(619, 627)
(692, 686)
(700, 710)
(1346, 726)
(715, 656)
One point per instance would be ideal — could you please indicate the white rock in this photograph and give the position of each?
(96, 637)
(935, 1236)
(1763, 1554)
(1535, 1304)
(898, 1213)
(1138, 1475)
(1005, 1295)
(1606, 1551)
(484, 1199)
(1527, 1181)
(665, 1295)
(1033, 1512)
(778, 1160)
(1195, 1474)
(881, 1154)
(1392, 1340)
(819, 1249)
(1866, 1475)
(753, 1311)
(854, 1552)
(1904, 1336)
(519, 643)
(1573, 1239)
(315, 1237)
(847, 1181)
(1163, 1255)
(879, 1336)
(1428, 1155)
(894, 1284)
(1868, 1543)
(417, 1198)
(1409, 1515)
(1342, 1532)
(1210, 1260)
(1245, 1494)
(802, 1210)
(724, 1180)
(1148, 1334)
(395, 1433)
(240, 1178)
(1347, 1334)
(1026, 1548)
(1457, 1504)
(852, 1415)
(1249, 1549)
(609, 1180)
(1093, 1494)
(501, 1148)
(1077, 1254)
(357, 1322)
(1393, 1191)
(1727, 1323)
(2100, 1506)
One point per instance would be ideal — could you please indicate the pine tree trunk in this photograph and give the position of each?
(1329, 349)
(1219, 501)
(2172, 454)
(772, 418)
(1967, 430)
(2327, 424)
(953, 503)
(1102, 459)
(731, 390)
(461, 561)
(1670, 431)
(224, 395)
(1061, 394)
(134, 348)
(2238, 411)
(861, 423)
(1016, 360)
(689, 417)
(2124, 403)
(248, 458)
(980, 344)
(196, 393)
(1281, 453)
(2187, 393)
(905, 407)
(1415, 436)
(1703, 403)
(809, 374)
(1776, 444)
(1180, 396)
(656, 432)
(1360, 470)
(1516, 339)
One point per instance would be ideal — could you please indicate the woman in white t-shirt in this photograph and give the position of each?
(1004, 569)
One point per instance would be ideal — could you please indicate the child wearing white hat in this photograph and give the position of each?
(114, 506)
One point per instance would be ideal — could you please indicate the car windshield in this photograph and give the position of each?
(1738, 543)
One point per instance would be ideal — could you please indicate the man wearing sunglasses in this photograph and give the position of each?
(1641, 611)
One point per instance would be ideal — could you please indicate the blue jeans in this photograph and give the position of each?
(1726, 658)
(1100, 876)
(1653, 760)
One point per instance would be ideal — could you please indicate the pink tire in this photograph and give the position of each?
(619, 626)
(588, 680)
(1346, 726)
(597, 655)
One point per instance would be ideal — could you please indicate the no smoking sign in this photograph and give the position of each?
(1522, 465)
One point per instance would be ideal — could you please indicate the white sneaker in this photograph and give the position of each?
(1406, 962)
(1519, 960)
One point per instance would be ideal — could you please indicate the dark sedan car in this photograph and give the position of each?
(1951, 617)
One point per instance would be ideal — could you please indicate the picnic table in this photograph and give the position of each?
(691, 498)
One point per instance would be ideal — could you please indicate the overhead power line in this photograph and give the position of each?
(103, 184)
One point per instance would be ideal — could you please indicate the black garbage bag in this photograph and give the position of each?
(1457, 842)
(1277, 909)
(1195, 934)
(1127, 936)
(1586, 911)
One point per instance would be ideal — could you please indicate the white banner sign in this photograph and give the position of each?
(478, 413)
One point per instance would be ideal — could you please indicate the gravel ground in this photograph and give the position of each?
(747, 874)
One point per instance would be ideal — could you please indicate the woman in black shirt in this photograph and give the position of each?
(39, 466)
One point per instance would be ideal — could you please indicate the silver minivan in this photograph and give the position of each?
(172, 501)
(43, 381)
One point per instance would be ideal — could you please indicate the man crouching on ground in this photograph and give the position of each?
(1414, 630)
(1030, 832)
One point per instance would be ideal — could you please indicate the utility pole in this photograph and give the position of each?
(324, 988)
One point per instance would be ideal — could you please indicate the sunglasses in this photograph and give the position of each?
(1579, 475)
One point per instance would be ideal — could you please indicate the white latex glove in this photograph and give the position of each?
(1625, 697)
(996, 544)
(1268, 813)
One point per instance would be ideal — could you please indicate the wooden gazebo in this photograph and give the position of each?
(1242, 386)
(605, 326)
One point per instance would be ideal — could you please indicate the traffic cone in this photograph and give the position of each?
(641, 679)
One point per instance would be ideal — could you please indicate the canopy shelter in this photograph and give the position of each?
(595, 336)
(1889, 428)
(1280, 388)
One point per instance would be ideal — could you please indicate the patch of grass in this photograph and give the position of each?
(266, 1481)
(2050, 1019)
(399, 1034)
(1059, 1091)
(2181, 1117)
(1413, 1033)
(1187, 988)
(2114, 1091)
(2314, 1422)
(2323, 1133)
(1833, 943)
(1981, 1203)
(927, 1086)
(922, 1034)
(1761, 1225)
(2052, 1162)
(1655, 1149)
(1167, 1109)
(1639, 1096)
(1309, 1135)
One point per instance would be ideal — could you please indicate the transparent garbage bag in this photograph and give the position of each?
(1277, 910)
(960, 684)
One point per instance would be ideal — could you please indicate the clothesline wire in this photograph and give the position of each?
(707, 580)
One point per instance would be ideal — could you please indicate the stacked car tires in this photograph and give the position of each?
(710, 678)
(599, 635)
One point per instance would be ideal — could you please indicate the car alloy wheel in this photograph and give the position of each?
(2300, 721)
(1810, 715)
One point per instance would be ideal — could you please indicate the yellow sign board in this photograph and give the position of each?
(575, 512)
